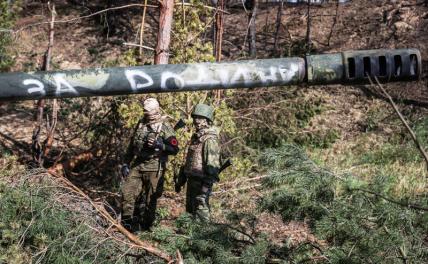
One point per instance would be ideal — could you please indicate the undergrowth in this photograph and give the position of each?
(7, 18)
(394, 155)
(212, 242)
(40, 222)
(358, 221)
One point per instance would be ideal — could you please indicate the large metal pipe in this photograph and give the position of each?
(344, 67)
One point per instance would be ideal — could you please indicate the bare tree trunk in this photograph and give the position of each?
(164, 34)
(36, 146)
(266, 31)
(334, 23)
(253, 30)
(52, 125)
(308, 29)
(219, 28)
(39, 150)
(278, 26)
(143, 19)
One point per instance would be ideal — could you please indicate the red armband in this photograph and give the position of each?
(173, 141)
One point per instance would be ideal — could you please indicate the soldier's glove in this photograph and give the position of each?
(159, 144)
(125, 170)
(156, 144)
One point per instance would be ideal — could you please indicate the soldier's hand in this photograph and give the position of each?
(159, 144)
(151, 142)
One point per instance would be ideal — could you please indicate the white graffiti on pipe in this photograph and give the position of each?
(62, 86)
(38, 88)
(288, 73)
(136, 84)
(177, 81)
(221, 75)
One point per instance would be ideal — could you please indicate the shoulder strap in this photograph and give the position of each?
(207, 136)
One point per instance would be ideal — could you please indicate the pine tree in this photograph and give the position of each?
(360, 221)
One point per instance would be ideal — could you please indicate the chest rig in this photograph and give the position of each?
(142, 150)
(194, 166)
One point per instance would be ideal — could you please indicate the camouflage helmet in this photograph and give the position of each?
(204, 111)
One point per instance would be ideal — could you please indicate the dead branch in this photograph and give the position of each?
(238, 189)
(138, 45)
(414, 102)
(179, 257)
(219, 29)
(411, 132)
(82, 17)
(244, 180)
(47, 144)
(40, 151)
(103, 213)
(334, 23)
(408, 205)
(143, 19)
(205, 6)
(72, 162)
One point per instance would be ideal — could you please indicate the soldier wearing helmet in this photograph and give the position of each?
(144, 168)
(202, 165)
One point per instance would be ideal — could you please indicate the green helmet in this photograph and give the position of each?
(204, 111)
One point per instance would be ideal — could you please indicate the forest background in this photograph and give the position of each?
(320, 174)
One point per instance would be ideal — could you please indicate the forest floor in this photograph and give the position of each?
(363, 25)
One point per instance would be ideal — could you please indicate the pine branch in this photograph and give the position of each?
(408, 205)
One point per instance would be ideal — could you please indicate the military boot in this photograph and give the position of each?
(131, 223)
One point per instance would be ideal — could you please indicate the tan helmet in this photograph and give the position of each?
(151, 105)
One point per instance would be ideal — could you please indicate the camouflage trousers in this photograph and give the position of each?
(140, 193)
(197, 201)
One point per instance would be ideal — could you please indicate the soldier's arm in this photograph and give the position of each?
(211, 155)
(170, 142)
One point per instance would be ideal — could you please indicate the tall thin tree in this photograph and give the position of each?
(41, 149)
(308, 29)
(252, 29)
(164, 33)
(278, 26)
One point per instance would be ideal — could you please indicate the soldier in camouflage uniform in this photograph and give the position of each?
(145, 162)
(202, 165)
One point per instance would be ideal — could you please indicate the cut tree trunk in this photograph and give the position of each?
(164, 34)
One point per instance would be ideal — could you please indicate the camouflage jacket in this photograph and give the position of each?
(140, 154)
(203, 156)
